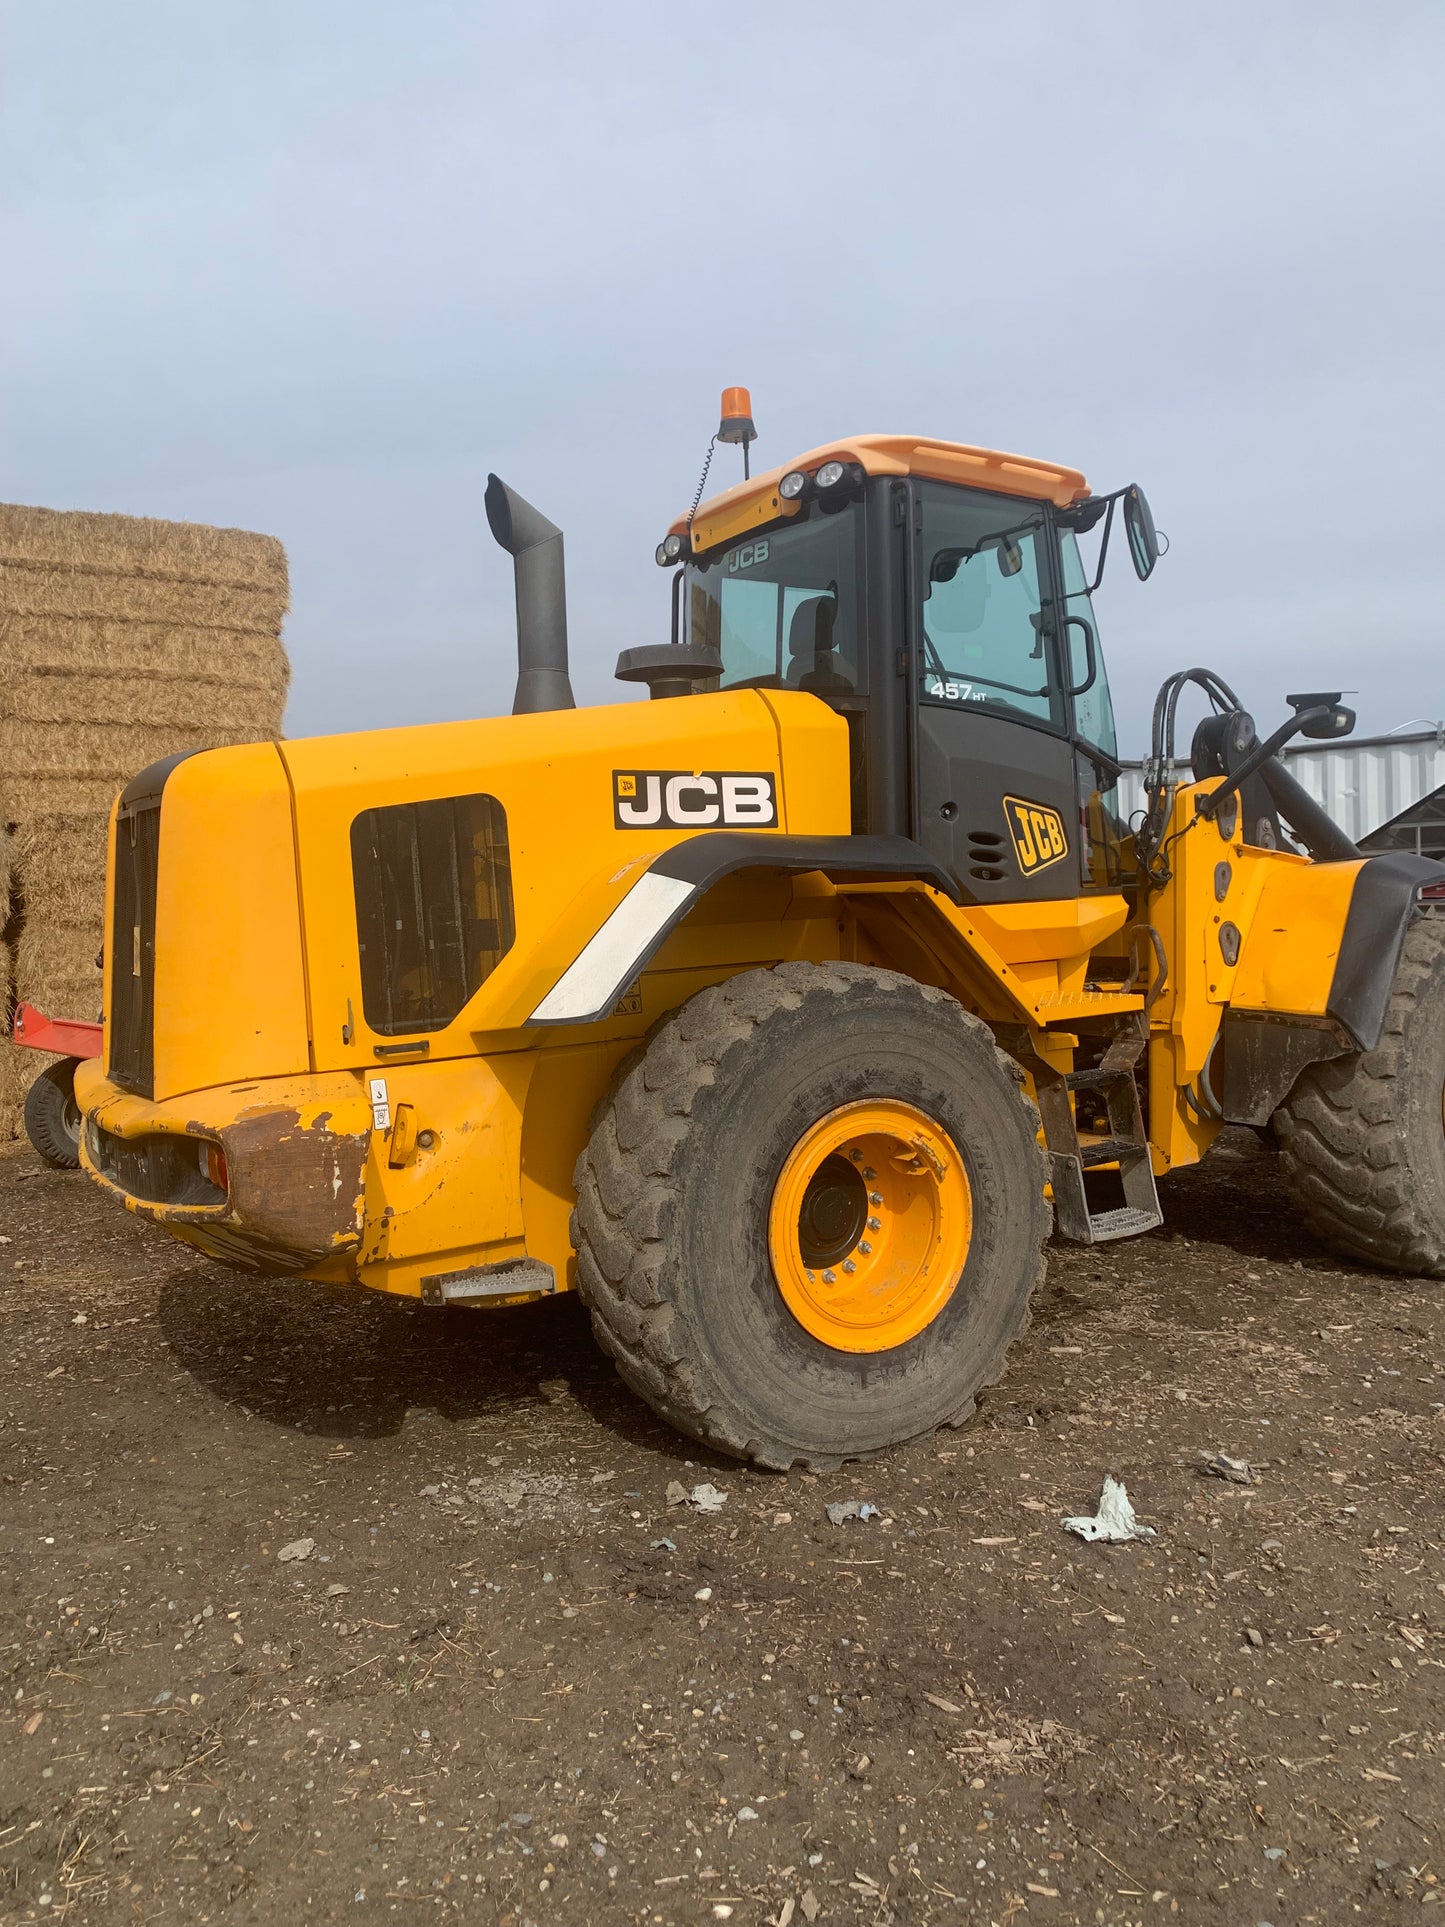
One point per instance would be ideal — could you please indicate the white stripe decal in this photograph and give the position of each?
(600, 973)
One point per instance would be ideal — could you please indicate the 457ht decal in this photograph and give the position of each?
(680, 799)
(1038, 833)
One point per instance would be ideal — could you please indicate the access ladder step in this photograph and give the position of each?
(1075, 1221)
(1110, 1150)
(1125, 1222)
(1124, 1142)
(1125, 1145)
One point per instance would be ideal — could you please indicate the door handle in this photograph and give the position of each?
(1091, 654)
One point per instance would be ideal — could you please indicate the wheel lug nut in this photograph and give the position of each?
(864, 1246)
(848, 1265)
(857, 1156)
(875, 1224)
(829, 1278)
(869, 1172)
(875, 1197)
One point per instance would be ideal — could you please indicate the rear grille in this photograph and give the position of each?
(133, 930)
(159, 1169)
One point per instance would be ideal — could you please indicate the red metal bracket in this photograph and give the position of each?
(67, 1035)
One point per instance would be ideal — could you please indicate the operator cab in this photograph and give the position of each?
(951, 625)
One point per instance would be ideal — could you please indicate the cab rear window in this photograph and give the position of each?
(433, 885)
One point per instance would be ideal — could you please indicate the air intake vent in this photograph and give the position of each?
(986, 856)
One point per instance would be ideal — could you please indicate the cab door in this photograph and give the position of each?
(1106, 847)
(994, 777)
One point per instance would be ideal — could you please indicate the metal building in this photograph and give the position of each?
(1364, 783)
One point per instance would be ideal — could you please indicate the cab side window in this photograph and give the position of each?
(983, 642)
(1093, 707)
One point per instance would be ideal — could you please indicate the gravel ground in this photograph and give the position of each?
(502, 1676)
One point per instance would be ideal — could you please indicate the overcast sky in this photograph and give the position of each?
(314, 268)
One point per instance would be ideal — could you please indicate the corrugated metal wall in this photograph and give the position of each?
(1362, 784)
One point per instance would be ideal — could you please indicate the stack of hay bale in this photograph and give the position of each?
(122, 640)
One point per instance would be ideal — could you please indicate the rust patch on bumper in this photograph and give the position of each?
(294, 1190)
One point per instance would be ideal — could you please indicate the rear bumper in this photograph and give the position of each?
(294, 1178)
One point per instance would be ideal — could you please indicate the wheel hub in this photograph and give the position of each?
(834, 1213)
(870, 1225)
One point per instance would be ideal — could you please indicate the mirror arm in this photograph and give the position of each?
(1261, 753)
(1104, 545)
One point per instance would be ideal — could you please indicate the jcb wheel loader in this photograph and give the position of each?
(784, 1014)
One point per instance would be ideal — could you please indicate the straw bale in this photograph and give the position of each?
(135, 545)
(17, 1069)
(59, 796)
(141, 647)
(123, 640)
(215, 607)
(59, 871)
(55, 968)
(33, 751)
(205, 702)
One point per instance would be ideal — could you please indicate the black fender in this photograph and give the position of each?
(1261, 1058)
(1384, 903)
(664, 893)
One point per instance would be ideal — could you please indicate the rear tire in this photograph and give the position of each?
(677, 1186)
(52, 1121)
(1363, 1137)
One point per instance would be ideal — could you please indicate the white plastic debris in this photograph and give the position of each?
(1235, 1471)
(1114, 1522)
(703, 1498)
(852, 1509)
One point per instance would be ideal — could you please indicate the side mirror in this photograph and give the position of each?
(1143, 537)
(1337, 720)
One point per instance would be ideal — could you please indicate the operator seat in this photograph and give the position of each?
(813, 662)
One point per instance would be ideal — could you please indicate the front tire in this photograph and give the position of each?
(52, 1120)
(1362, 1138)
(743, 1288)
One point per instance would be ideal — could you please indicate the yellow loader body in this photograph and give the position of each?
(348, 1158)
(262, 1042)
(784, 1021)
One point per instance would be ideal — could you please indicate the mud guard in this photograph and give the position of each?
(659, 900)
(1382, 906)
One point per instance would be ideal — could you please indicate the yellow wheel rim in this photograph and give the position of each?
(870, 1225)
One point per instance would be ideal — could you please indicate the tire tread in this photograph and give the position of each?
(1341, 1131)
(623, 1190)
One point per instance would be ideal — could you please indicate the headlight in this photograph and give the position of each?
(669, 550)
(830, 474)
(792, 485)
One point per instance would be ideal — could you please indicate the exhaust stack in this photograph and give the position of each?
(535, 545)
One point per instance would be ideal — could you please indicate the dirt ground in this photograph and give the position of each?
(510, 1681)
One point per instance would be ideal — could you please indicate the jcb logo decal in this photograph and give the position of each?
(680, 799)
(1038, 834)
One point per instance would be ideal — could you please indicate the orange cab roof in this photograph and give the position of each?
(738, 509)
